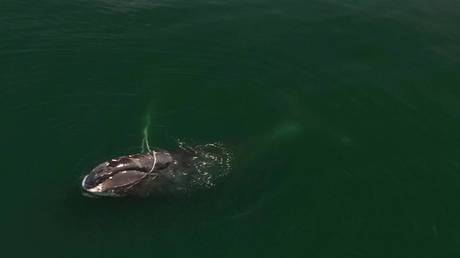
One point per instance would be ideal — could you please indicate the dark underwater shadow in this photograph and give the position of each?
(248, 187)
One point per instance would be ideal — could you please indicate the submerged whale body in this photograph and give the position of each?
(158, 172)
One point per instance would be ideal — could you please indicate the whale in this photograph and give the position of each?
(158, 172)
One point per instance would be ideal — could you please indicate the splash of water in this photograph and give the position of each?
(211, 162)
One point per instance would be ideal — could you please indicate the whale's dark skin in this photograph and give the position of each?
(141, 175)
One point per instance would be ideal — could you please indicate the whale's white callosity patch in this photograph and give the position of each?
(96, 189)
(84, 181)
(99, 191)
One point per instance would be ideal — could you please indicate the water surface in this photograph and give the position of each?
(344, 117)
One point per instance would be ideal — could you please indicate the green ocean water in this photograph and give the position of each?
(343, 116)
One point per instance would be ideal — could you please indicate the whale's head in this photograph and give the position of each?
(117, 177)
